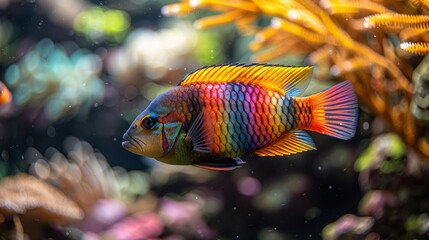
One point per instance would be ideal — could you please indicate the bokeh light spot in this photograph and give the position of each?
(249, 186)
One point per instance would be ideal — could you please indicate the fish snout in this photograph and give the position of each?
(128, 133)
(131, 142)
(126, 136)
(128, 141)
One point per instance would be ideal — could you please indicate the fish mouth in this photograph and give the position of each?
(132, 144)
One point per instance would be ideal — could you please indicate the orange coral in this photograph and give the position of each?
(397, 21)
(24, 194)
(419, 48)
(342, 36)
(84, 175)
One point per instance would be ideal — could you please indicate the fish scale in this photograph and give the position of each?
(303, 112)
(239, 127)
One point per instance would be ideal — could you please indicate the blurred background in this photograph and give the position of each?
(74, 74)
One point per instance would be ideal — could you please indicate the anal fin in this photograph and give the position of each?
(295, 141)
(220, 164)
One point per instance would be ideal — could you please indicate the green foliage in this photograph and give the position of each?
(385, 152)
(97, 22)
(209, 48)
(418, 224)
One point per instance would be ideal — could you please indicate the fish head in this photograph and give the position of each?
(155, 131)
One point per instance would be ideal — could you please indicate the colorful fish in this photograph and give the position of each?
(220, 113)
(5, 95)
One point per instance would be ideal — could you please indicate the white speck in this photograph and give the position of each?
(293, 14)
(330, 186)
(275, 23)
(319, 168)
(114, 139)
(193, 3)
(365, 125)
(366, 23)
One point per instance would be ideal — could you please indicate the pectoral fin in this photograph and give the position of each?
(201, 134)
(220, 164)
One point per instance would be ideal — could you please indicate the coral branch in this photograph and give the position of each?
(418, 48)
(298, 31)
(177, 9)
(397, 21)
(352, 7)
(242, 5)
(218, 19)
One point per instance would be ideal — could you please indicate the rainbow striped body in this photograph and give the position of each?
(244, 118)
(219, 113)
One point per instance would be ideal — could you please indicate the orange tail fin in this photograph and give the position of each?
(335, 111)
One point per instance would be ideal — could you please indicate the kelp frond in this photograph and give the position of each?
(409, 33)
(236, 4)
(424, 4)
(418, 48)
(177, 9)
(218, 19)
(353, 7)
(297, 30)
(351, 65)
(397, 21)
(414, 3)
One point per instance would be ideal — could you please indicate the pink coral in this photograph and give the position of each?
(141, 226)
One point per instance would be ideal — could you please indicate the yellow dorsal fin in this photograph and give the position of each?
(291, 80)
(293, 142)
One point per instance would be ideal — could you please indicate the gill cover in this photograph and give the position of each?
(169, 135)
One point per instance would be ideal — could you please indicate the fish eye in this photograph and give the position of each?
(148, 122)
